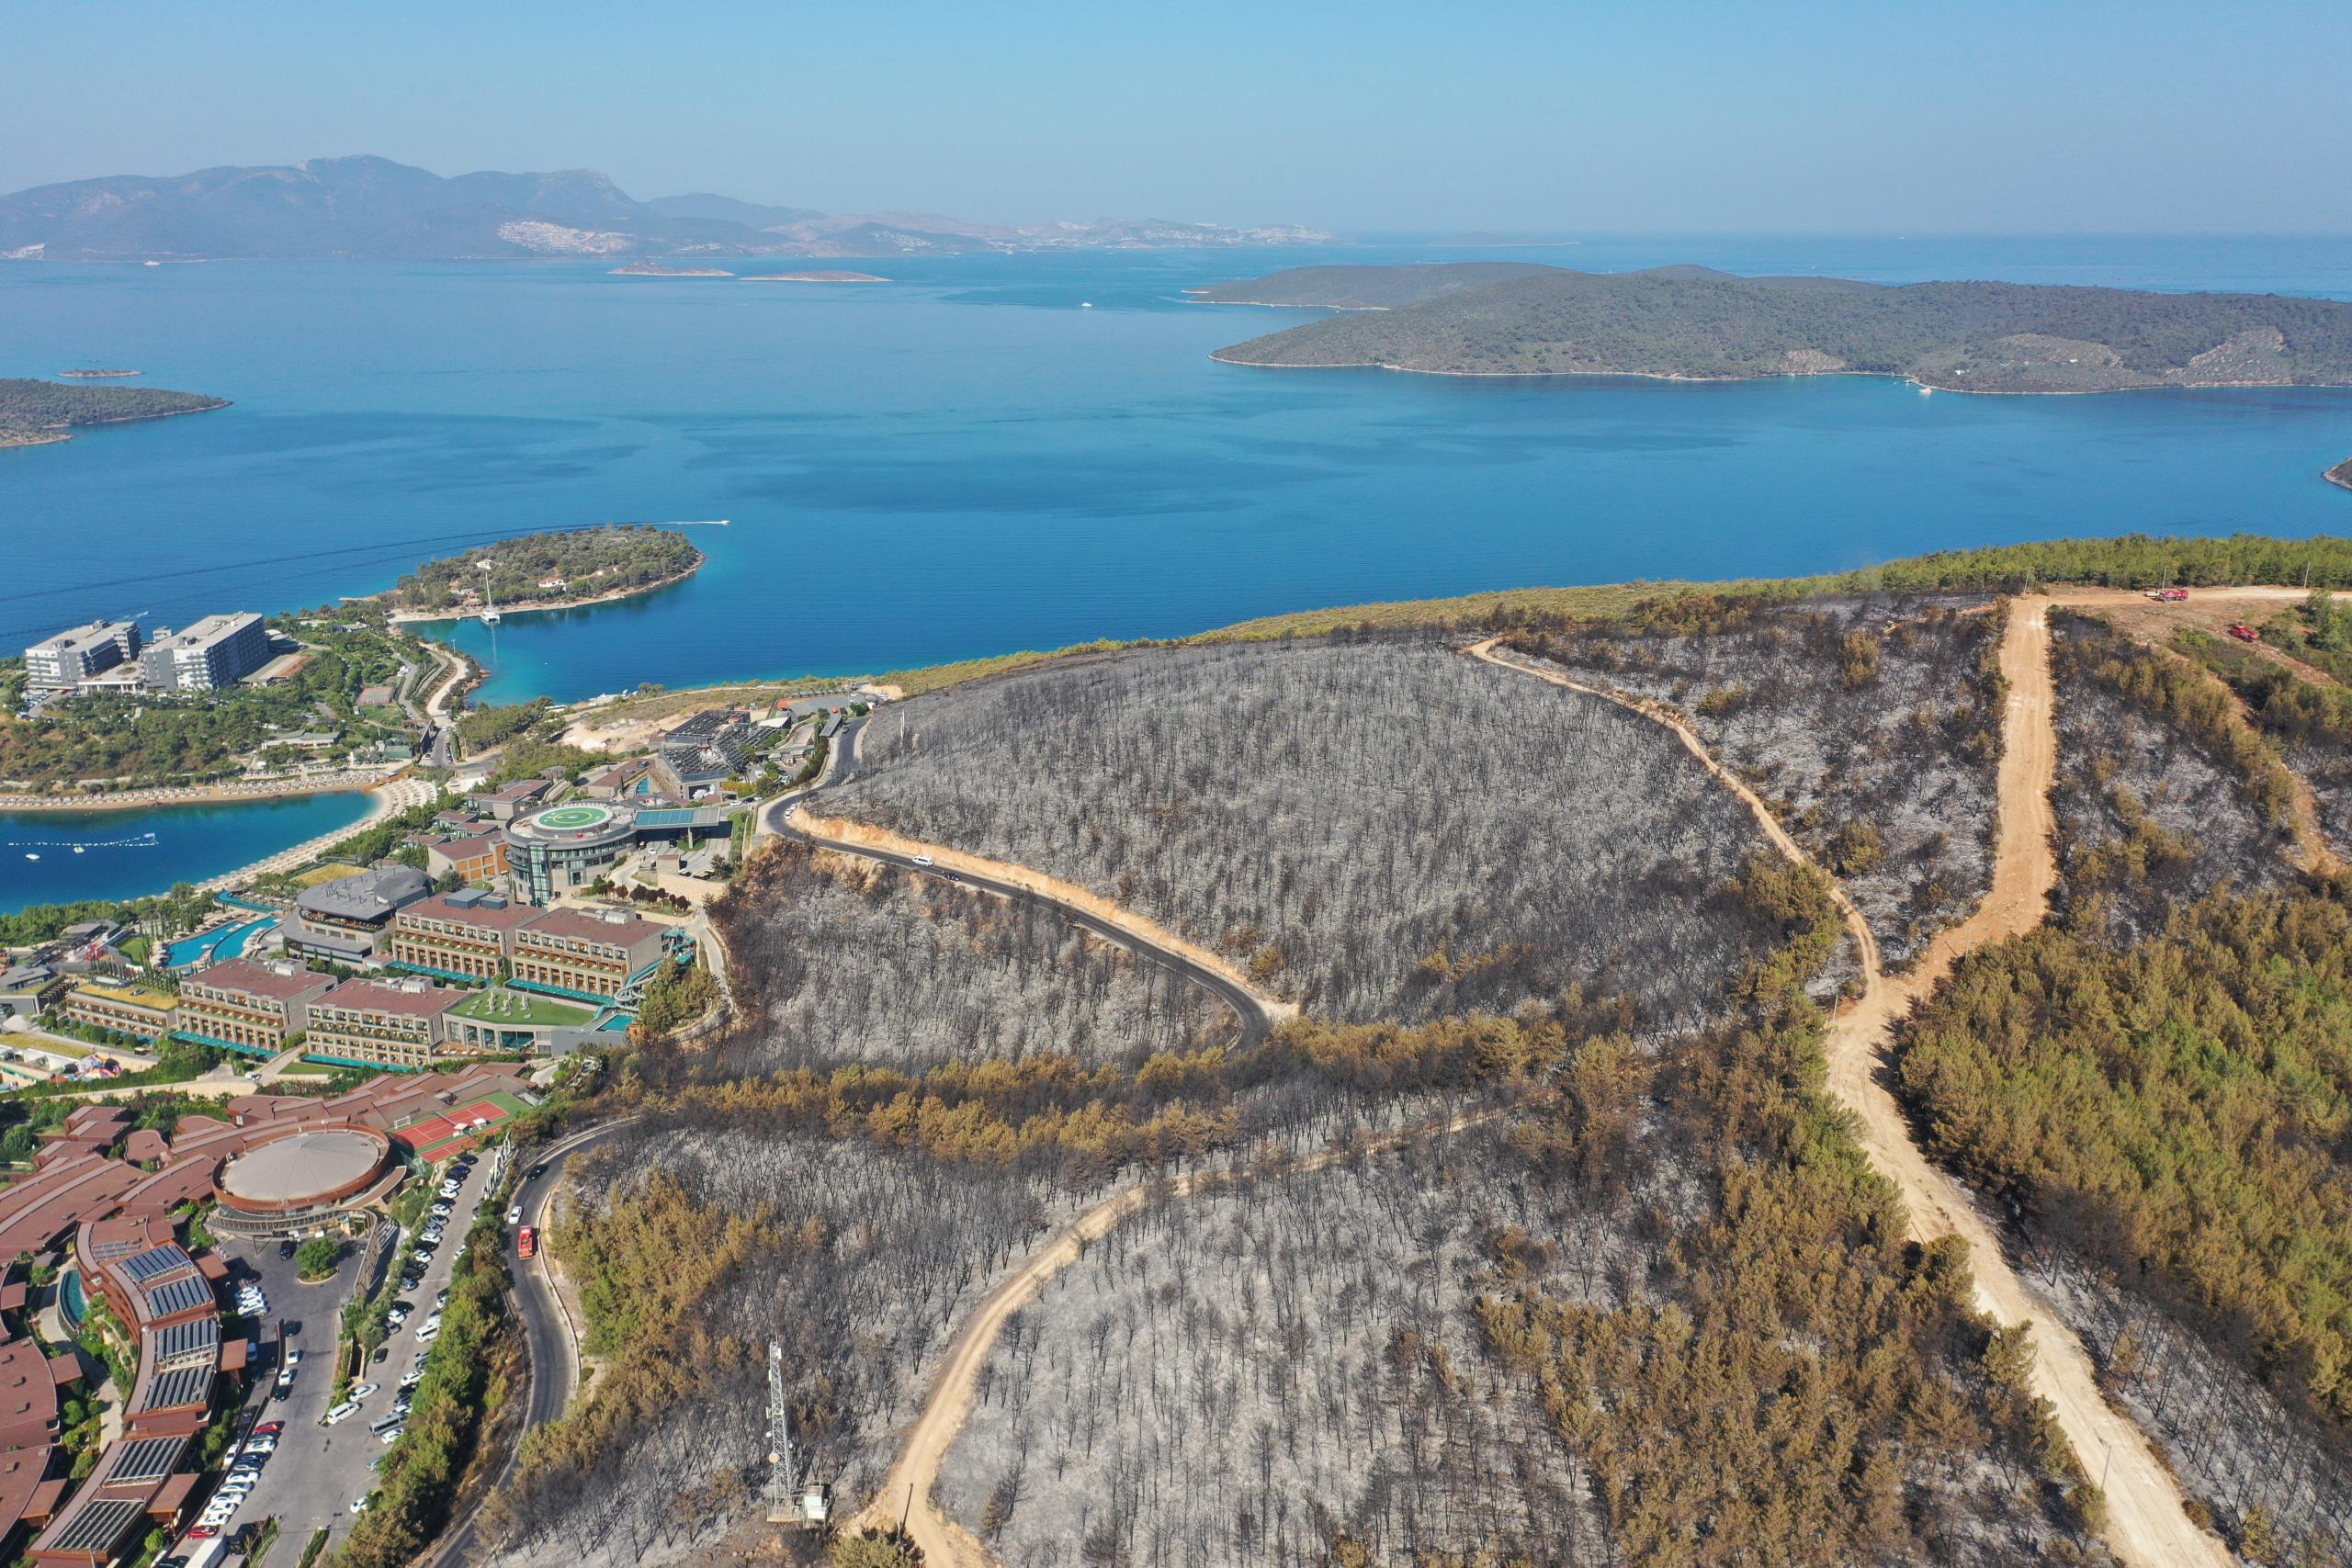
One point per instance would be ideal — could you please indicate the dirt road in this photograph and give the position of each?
(2147, 1523)
(946, 1544)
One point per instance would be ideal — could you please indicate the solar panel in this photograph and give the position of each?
(148, 1458)
(198, 1338)
(100, 1526)
(179, 1295)
(185, 1385)
(154, 1263)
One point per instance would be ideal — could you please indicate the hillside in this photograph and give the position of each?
(364, 208)
(36, 412)
(1691, 322)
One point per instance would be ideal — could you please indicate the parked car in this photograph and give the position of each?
(514, 1215)
(359, 1504)
(270, 1428)
(293, 1358)
(342, 1412)
(392, 1435)
(422, 1255)
(363, 1390)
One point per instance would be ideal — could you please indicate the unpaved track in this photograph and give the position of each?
(2147, 1523)
(835, 832)
(946, 1544)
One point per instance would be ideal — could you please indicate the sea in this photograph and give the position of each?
(988, 453)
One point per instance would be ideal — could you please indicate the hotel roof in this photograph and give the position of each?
(375, 996)
(581, 926)
(260, 979)
(470, 911)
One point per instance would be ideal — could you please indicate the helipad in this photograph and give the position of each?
(310, 1169)
(571, 819)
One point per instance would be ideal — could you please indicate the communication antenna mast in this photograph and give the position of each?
(783, 1470)
(790, 1502)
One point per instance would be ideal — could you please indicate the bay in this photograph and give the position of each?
(994, 452)
(130, 853)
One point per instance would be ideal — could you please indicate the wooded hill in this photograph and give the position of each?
(29, 408)
(590, 562)
(1366, 287)
(1695, 322)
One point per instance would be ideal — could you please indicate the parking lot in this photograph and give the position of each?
(318, 1471)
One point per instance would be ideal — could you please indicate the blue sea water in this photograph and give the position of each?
(128, 854)
(997, 452)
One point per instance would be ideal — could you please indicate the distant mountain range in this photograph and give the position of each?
(372, 208)
(1511, 318)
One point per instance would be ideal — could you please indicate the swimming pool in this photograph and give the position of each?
(216, 946)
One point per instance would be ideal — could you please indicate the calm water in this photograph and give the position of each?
(967, 460)
(127, 854)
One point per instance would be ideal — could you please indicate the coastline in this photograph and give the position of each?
(51, 434)
(2340, 475)
(387, 798)
(202, 794)
(1220, 356)
(541, 606)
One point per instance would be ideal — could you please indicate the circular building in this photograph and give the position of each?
(303, 1178)
(565, 847)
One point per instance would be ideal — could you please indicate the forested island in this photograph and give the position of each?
(33, 414)
(1693, 323)
(547, 572)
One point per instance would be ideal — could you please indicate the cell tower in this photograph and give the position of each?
(789, 1502)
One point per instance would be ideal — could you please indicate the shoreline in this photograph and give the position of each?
(2340, 475)
(54, 435)
(195, 794)
(386, 799)
(1218, 354)
(536, 606)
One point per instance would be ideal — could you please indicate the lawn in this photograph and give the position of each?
(520, 1010)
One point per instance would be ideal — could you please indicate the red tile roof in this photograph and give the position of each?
(498, 916)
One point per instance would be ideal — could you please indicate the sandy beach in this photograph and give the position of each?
(226, 792)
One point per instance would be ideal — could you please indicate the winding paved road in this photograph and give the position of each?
(549, 1336)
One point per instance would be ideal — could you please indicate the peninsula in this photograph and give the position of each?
(2341, 474)
(1691, 322)
(34, 413)
(828, 277)
(558, 570)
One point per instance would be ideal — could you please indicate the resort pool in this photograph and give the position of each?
(70, 1305)
(216, 946)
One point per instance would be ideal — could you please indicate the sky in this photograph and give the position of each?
(1613, 116)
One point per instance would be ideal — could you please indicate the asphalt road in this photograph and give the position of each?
(547, 1333)
(318, 1471)
(1255, 1022)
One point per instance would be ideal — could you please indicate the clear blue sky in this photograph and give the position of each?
(2165, 116)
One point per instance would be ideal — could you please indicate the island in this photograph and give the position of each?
(1695, 323)
(99, 375)
(35, 414)
(2341, 474)
(558, 570)
(812, 277)
(655, 269)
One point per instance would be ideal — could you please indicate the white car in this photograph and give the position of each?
(342, 1412)
(359, 1504)
(392, 1435)
(260, 1446)
(293, 1360)
(922, 860)
(396, 1316)
(422, 1255)
(427, 1336)
(514, 1215)
(363, 1390)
